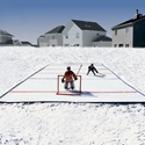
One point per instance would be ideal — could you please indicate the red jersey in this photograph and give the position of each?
(70, 76)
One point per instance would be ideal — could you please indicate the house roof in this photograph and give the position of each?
(129, 22)
(102, 38)
(58, 29)
(2, 32)
(26, 43)
(85, 25)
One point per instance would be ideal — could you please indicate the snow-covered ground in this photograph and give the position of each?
(71, 124)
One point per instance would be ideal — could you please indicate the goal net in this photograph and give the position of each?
(62, 91)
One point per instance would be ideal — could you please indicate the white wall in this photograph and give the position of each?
(86, 37)
(89, 36)
(56, 41)
(102, 44)
(71, 31)
(123, 36)
(51, 40)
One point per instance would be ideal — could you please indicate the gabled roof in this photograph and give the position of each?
(26, 43)
(103, 38)
(2, 32)
(58, 29)
(85, 25)
(130, 22)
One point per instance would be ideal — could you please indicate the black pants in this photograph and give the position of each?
(67, 83)
(93, 71)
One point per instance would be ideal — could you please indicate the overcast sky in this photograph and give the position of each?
(28, 19)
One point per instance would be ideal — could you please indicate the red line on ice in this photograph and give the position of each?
(43, 91)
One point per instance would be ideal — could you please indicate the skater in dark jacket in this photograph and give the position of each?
(92, 69)
(69, 78)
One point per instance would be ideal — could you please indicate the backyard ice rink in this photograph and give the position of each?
(42, 87)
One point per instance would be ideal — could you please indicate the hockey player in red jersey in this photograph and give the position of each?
(69, 78)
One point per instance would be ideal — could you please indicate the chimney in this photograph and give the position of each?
(137, 15)
(137, 12)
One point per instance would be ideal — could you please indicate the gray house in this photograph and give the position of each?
(52, 38)
(83, 33)
(5, 38)
(130, 33)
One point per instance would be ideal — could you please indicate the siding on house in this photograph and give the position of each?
(52, 38)
(123, 37)
(72, 35)
(81, 33)
(89, 36)
(130, 33)
(139, 34)
(75, 33)
(5, 38)
(102, 41)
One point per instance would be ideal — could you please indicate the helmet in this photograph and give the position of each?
(68, 68)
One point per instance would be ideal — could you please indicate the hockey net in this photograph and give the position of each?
(62, 91)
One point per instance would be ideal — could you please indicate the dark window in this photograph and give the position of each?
(76, 45)
(66, 36)
(126, 30)
(120, 45)
(126, 45)
(77, 35)
(115, 45)
(115, 32)
(53, 37)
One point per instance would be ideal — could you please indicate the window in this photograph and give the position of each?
(115, 32)
(76, 45)
(120, 45)
(126, 30)
(115, 45)
(53, 37)
(66, 36)
(126, 45)
(77, 35)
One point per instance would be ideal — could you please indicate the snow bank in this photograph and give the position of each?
(72, 124)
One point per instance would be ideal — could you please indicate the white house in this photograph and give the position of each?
(82, 33)
(5, 38)
(52, 38)
(130, 33)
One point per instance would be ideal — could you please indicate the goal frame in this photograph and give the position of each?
(78, 92)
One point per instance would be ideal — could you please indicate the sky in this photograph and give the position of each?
(28, 19)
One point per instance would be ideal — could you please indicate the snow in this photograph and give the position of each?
(71, 123)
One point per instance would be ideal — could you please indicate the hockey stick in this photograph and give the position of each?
(79, 69)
